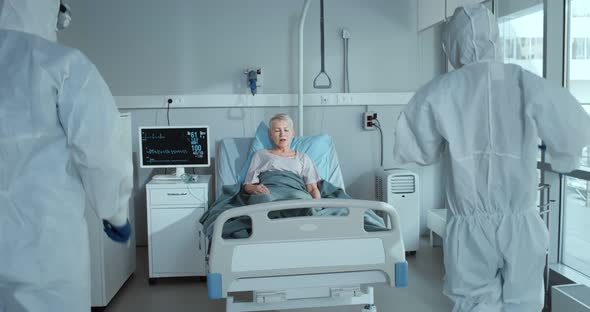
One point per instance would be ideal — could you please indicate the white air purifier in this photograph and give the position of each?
(401, 189)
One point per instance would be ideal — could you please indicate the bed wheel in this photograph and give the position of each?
(369, 308)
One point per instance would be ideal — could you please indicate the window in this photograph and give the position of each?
(585, 160)
(579, 48)
(578, 61)
(537, 49)
(576, 196)
(582, 9)
(521, 31)
(523, 49)
(521, 25)
(576, 225)
(509, 48)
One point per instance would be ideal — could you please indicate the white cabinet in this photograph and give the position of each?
(177, 226)
(177, 245)
(453, 4)
(432, 12)
(111, 264)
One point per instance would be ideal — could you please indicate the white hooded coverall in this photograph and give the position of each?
(58, 131)
(484, 120)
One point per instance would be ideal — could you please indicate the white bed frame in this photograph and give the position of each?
(436, 221)
(306, 262)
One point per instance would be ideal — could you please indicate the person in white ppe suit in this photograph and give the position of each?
(484, 120)
(58, 132)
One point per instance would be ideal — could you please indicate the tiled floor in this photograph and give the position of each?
(178, 295)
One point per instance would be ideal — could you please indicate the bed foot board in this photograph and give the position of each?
(311, 298)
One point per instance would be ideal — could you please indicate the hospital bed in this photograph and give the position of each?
(301, 262)
(436, 221)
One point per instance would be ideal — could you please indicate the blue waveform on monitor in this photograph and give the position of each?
(153, 161)
(152, 136)
(152, 151)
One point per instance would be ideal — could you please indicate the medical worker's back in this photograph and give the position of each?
(484, 120)
(58, 135)
(491, 128)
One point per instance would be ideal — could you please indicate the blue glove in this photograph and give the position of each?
(116, 233)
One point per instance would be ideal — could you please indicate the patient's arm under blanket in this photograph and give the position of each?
(283, 185)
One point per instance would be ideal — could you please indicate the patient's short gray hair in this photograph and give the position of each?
(281, 117)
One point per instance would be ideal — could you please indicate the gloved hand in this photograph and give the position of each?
(119, 234)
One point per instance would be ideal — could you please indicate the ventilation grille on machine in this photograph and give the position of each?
(379, 189)
(402, 184)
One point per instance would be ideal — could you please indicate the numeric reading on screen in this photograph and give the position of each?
(196, 138)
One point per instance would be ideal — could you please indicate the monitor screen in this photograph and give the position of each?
(173, 147)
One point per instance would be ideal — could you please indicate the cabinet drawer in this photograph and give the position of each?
(194, 197)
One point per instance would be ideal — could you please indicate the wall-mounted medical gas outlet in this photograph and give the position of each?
(254, 80)
(368, 120)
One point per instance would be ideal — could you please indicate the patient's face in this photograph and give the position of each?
(280, 133)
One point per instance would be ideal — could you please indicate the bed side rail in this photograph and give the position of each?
(384, 250)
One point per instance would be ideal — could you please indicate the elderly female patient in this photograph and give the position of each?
(276, 174)
(281, 158)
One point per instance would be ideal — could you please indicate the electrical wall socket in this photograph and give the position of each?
(368, 118)
(173, 100)
(260, 79)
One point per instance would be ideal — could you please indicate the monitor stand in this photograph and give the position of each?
(179, 176)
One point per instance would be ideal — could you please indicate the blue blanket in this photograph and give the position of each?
(283, 185)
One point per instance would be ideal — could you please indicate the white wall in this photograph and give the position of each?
(148, 47)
